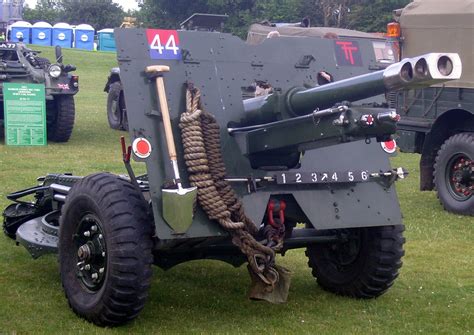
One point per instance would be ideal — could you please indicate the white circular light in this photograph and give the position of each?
(141, 147)
(54, 70)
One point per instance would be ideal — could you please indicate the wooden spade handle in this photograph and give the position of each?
(160, 90)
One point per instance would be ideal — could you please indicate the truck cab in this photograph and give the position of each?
(438, 121)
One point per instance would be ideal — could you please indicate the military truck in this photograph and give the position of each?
(438, 121)
(377, 54)
(19, 64)
(230, 178)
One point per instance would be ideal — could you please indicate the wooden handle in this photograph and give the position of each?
(160, 89)
(157, 68)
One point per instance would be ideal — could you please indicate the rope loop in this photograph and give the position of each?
(200, 135)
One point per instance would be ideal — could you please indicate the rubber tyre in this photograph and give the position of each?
(372, 270)
(61, 114)
(462, 143)
(114, 114)
(127, 229)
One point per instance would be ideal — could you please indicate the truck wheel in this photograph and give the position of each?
(105, 249)
(60, 118)
(364, 265)
(114, 112)
(454, 174)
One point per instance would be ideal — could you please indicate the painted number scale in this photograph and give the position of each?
(322, 177)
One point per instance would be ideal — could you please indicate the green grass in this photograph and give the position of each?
(434, 293)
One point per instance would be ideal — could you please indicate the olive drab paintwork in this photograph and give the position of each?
(430, 116)
(294, 152)
(220, 65)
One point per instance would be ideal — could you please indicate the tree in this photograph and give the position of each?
(373, 16)
(99, 14)
(45, 10)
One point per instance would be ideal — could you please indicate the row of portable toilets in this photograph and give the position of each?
(62, 34)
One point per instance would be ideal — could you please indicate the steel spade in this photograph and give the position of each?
(177, 203)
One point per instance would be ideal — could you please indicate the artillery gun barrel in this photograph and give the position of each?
(419, 71)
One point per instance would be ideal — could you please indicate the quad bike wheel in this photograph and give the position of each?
(60, 118)
(362, 265)
(116, 113)
(454, 174)
(105, 249)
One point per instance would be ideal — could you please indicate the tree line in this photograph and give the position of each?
(364, 15)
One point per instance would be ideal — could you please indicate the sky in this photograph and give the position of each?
(126, 4)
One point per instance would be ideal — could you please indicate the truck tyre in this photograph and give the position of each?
(105, 249)
(60, 118)
(363, 266)
(453, 174)
(114, 112)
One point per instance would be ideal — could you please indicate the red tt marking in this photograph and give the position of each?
(348, 49)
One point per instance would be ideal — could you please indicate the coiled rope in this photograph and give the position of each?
(200, 135)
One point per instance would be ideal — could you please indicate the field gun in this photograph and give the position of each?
(298, 168)
(304, 118)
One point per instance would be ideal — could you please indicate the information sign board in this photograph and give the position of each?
(25, 114)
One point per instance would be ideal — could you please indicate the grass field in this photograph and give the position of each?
(433, 295)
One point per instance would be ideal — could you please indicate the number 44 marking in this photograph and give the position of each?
(170, 44)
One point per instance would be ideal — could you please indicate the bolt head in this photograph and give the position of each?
(87, 267)
(94, 275)
(87, 233)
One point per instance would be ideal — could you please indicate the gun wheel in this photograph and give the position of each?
(105, 248)
(454, 174)
(364, 264)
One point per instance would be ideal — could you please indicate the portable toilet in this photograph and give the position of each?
(20, 30)
(41, 33)
(84, 37)
(62, 35)
(106, 40)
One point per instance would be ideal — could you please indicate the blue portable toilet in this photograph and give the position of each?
(20, 29)
(84, 37)
(106, 40)
(62, 35)
(41, 33)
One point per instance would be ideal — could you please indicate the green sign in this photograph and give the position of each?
(25, 114)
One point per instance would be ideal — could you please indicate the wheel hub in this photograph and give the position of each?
(84, 252)
(345, 252)
(91, 252)
(461, 177)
